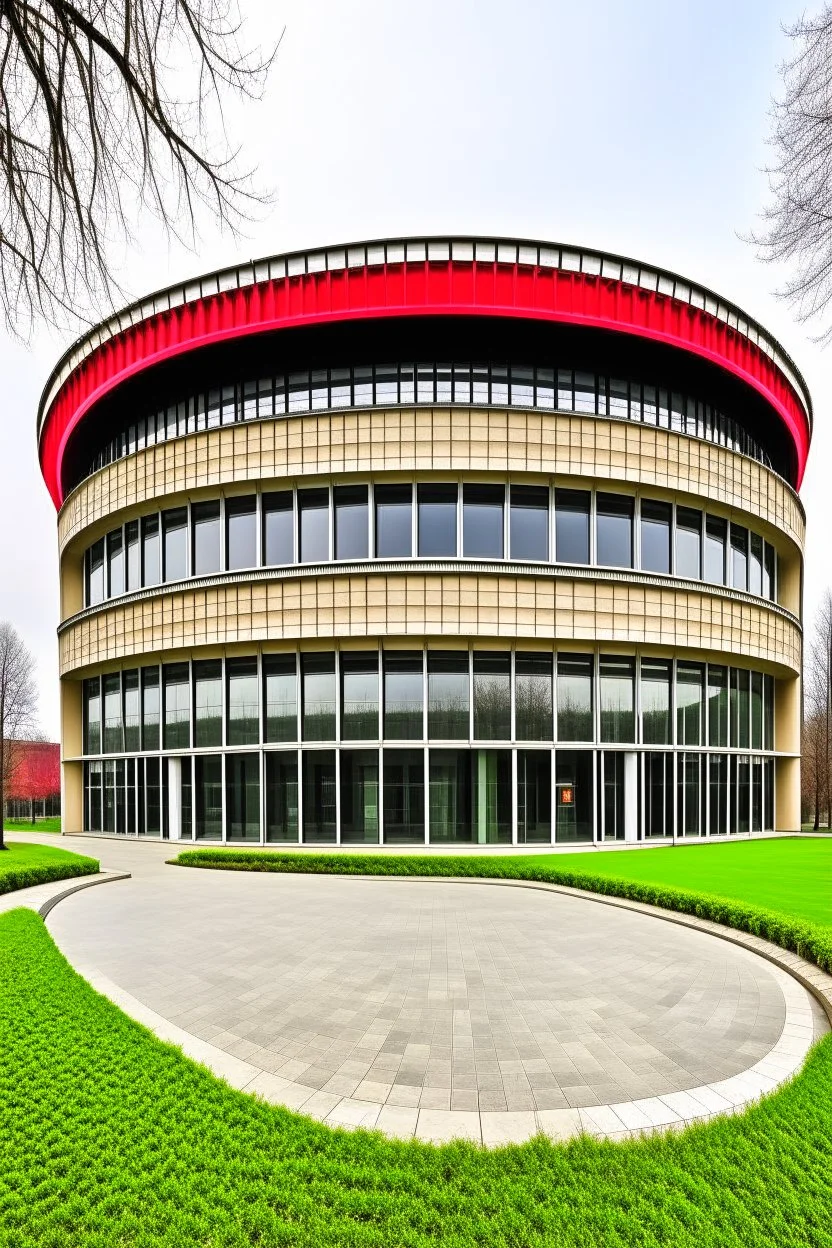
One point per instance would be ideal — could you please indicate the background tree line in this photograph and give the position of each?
(816, 770)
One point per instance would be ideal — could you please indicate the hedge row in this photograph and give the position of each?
(804, 939)
(47, 873)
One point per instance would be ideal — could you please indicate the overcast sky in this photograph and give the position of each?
(635, 127)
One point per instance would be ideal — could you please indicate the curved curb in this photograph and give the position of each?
(104, 877)
(628, 1119)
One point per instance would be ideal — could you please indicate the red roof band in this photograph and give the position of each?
(430, 287)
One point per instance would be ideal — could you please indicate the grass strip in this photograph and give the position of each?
(111, 1137)
(810, 940)
(52, 824)
(23, 865)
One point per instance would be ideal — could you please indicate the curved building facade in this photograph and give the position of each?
(429, 541)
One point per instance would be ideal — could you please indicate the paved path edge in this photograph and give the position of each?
(672, 1111)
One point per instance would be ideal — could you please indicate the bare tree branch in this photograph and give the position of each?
(107, 106)
(18, 703)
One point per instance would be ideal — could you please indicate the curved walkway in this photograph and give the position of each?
(439, 1008)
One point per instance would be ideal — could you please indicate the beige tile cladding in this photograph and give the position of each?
(420, 604)
(431, 439)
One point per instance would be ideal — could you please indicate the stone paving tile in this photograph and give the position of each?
(442, 999)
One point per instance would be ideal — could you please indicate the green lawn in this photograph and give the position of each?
(23, 864)
(111, 1138)
(26, 825)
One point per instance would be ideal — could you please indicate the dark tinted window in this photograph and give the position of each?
(448, 695)
(529, 522)
(655, 536)
(394, 521)
(281, 698)
(313, 522)
(205, 518)
(688, 543)
(482, 521)
(403, 695)
(739, 557)
(352, 535)
(278, 529)
(715, 530)
(243, 702)
(318, 671)
(533, 697)
(492, 697)
(208, 702)
(615, 531)
(151, 561)
(241, 533)
(175, 527)
(359, 695)
(437, 520)
(572, 526)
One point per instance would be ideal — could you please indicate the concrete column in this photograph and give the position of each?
(72, 774)
(175, 798)
(630, 797)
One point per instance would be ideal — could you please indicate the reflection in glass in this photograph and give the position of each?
(655, 536)
(614, 530)
(150, 708)
(533, 697)
(437, 520)
(658, 793)
(448, 695)
(177, 729)
(113, 738)
(755, 565)
(616, 699)
(404, 797)
(319, 795)
(739, 708)
(242, 797)
(482, 521)
(394, 521)
(717, 705)
(768, 712)
(151, 551)
(133, 565)
(208, 702)
(534, 797)
(572, 526)
(715, 535)
(243, 705)
(278, 529)
(575, 718)
(688, 543)
(770, 573)
(281, 795)
(574, 818)
(240, 533)
(205, 518)
(529, 522)
(718, 795)
(352, 522)
(492, 696)
(741, 776)
(280, 695)
(689, 704)
(132, 711)
(359, 796)
(403, 695)
(207, 796)
(318, 673)
(739, 556)
(95, 574)
(92, 715)
(492, 796)
(175, 527)
(655, 702)
(449, 787)
(313, 525)
(756, 713)
(115, 564)
(359, 695)
(689, 805)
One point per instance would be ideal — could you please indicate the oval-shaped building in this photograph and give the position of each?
(429, 541)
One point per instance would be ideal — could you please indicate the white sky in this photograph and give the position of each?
(637, 127)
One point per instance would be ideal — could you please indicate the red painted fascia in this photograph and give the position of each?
(428, 288)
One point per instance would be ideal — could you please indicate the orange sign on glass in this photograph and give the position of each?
(567, 795)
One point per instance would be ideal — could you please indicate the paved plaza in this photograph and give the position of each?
(384, 1001)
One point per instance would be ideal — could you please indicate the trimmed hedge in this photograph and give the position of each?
(805, 939)
(25, 876)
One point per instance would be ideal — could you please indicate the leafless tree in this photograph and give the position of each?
(816, 743)
(107, 106)
(18, 703)
(797, 222)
